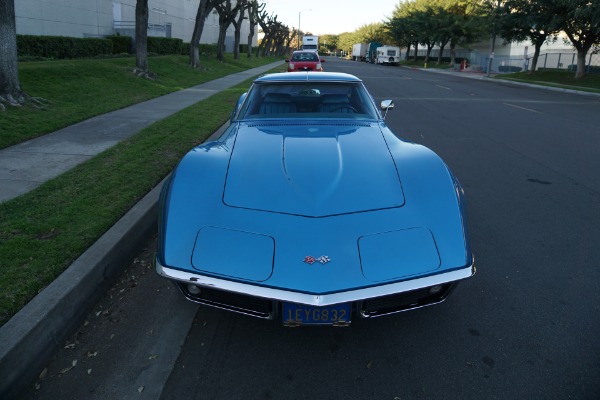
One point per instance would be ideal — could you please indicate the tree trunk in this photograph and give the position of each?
(581, 53)
(536, 56)
(10, 87)
(452, 53)
(237, 33)
(221, 41)
(141, 36)
(439, 60)
(203, 9)
(250, 38)
(428, 54)
(251, 20)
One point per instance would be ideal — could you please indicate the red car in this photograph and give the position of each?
(305, 61)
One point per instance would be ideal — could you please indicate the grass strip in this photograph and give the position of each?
(559, 79)
(44, 231)
(80, 89)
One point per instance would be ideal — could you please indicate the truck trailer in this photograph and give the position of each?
(359, 51)
(310, 43)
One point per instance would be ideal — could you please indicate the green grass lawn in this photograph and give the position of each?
(44, 231)
(80, 89)
(561, 79)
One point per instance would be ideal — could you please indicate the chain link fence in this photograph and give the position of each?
(477, 62)
(546, 61)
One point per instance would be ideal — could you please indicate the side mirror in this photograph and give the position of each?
(387, 105)
(322, 60)
(238, 106)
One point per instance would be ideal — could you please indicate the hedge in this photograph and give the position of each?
(589, 69)
(62, 46)
(433, 59)
(163, 46)
(205, 49)
(509, 68)
(121, 44)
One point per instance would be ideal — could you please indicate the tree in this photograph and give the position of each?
(345, 41)
(466, 27)
(580, 20)
(10, 87)
(227, 15)
(253, 11)
(204, 9)
(329, 42)
(141, 39)
(529, 20)
(374, 32)
(237, 23)
(277, 37)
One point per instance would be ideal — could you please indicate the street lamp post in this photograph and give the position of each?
(300, 13)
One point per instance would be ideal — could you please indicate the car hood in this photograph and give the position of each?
(313, 170)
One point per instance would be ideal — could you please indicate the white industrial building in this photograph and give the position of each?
(99, 18)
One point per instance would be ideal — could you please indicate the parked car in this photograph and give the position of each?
(310, 210)
(306, 60)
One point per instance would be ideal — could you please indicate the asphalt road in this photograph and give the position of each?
(525, 327)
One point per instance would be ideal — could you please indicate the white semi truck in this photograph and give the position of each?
(310, 43)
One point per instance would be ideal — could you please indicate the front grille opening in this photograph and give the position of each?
(236, 302)
(396, 303)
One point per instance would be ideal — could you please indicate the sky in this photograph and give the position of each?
(330, 16)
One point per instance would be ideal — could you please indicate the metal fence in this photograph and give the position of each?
(507, 64)
(555, 61)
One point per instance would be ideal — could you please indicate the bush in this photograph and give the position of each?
(509, 68)
(445, 60)
(589, 69)
(163, 46)
(244, 48)
(61, 46)
(121, 44)
(208, 49)
(205, 49)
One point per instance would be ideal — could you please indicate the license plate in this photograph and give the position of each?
(300, 314)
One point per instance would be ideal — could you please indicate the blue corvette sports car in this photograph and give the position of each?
(308, 209)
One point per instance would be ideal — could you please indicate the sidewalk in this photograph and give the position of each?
(29, 339)
(27, 165)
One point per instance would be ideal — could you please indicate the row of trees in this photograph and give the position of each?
(276, 41)
(462, 22)
(230, 13)
(451, 23)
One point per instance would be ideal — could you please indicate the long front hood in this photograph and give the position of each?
(312, 170)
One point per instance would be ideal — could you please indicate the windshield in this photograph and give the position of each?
(308, 100)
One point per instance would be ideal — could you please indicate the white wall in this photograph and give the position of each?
(84, 18)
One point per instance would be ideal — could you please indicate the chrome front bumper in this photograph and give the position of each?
(277, 295)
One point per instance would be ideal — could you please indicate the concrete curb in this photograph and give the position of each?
(30, 338)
